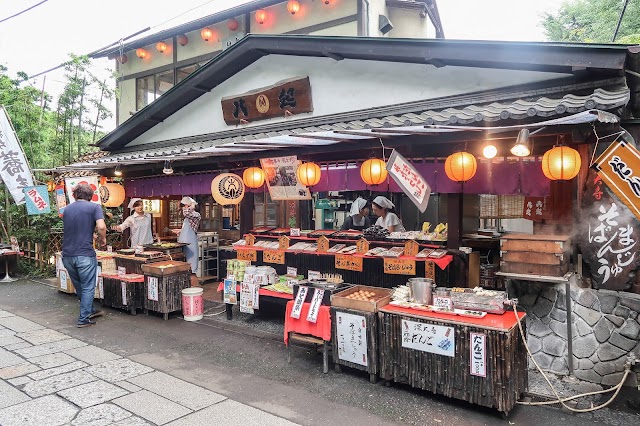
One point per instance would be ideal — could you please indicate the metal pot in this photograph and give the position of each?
(421, 290)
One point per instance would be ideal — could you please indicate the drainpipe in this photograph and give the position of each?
(365, 32)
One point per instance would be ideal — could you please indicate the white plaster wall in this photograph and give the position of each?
(337, 86)
(407, 23)
(198, 46)
(376, 7)
(348, 29)
(312, 12)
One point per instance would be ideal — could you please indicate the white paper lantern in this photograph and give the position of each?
(227, 189)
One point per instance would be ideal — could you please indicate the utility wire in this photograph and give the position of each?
(26, 10)
(624, 8)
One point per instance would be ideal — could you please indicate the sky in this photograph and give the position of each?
(43, 37)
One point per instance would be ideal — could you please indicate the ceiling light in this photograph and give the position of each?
(168, 169)
(489, 150)
(117, 171)
(522, 147)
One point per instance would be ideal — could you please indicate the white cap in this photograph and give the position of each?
(383, 202)
(357, 205)
(188, 201)
(132, 202)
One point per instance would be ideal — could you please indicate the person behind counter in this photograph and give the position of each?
(386, 218)
(188, 234)
(140, 224)
(358, 216)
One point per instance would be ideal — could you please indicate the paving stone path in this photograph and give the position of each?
(48, 379)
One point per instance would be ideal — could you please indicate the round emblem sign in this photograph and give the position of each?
(227, 188)
(262, 104)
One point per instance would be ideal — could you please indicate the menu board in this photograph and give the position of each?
(351, 332)
(432, 338)
(282, 180)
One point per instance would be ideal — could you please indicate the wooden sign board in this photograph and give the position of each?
(250, 255)
(287, 97)
(323, 244)
(399, 266)
(411, 248)
(283, 242)
(362, 246)
(250, 239)
(430, 270)
(273, 256)
(349, 263)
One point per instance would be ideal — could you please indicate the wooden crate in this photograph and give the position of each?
(536, 254)
(382, 297)
(169, 292)
(166, 267)
(371, 321)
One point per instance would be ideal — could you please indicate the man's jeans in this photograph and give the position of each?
(82, 271)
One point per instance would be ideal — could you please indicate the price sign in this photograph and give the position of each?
(109, 249)
(425, 337)
(297, 305)
(122, 270)
(273, 256)
(349, 263)
(283, 242)
(294, 232)
(411, 248)
(152, 288)
(292, 272)
(123, 287)
(323, 244)
(249, 239)
(399, 266)
(362, 246)
(478, 354)
(314, 275)
(351, 333)
(430, 270)
(443, 302)
(250, 255)
(316, 301)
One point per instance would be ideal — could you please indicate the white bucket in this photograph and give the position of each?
(192, 304)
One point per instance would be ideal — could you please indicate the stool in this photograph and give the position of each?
(305, 338)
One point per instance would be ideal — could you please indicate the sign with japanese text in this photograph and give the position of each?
(478, 354)
(92, 181)
(362, 246)
(63, 279)
(535, 209)
(608, 237)
(348, 262)
(288, 97)
(250, 255)
(316, 301)
(152, 288)
(61, 199)
(123, 287)
(314, 275)
(151, 206)
(101, 287)
(619, 168)
(283, 242)
(248, 297)
(425, 337)
(294, 232)
(14, 168)
(37, 198)
(430, 269)
(250, 239)
(122, 270)
(443, 302)
(351, 331)
(230, 296)
(323, 244)
(297, 304)
(411, 248)
(292, 271)
(410, 180)
(281, 178)
(273, 256)
(399, 266)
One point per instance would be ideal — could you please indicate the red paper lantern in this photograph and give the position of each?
(561, 163)
(123, 59)
(373, 171)
(308, 174)
(261, 16)
(206, 34)
(461, 166)
(161, 47)
(183, 40)
(253, 177)
(233, 24)
(141, 53)
(293, 7)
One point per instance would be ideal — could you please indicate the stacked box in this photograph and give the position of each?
(536, 254)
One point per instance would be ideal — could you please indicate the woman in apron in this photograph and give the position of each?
(188, 234)
(140, 224)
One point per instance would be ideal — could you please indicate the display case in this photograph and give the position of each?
(209, 265)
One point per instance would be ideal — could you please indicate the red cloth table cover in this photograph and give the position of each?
(321, 329)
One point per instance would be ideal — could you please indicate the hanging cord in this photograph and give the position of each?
(627, 370)
(599, 138)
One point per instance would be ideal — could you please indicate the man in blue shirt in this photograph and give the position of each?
(78, 256)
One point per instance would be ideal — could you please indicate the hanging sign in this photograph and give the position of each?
(92, 181)
(61, 199)
(349, 263)
(37, 198)
(230, 291)
(410, 180)
(425, 337)
(14, 168)
(152, 288)
(536, 209)
(282, 180)
(250, 255)
(227, 189)
(362, 246)
(288, 97)
(351, 331)
(300, 298)
(273, 256)
(283, 242)
(478, 354)
(316, 301)
(395, 266)
(619, 168)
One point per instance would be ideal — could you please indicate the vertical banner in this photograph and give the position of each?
(230, 296)
(281, 178)
(410, 180)
(478, 355)
(14, 168)
(61, 199)
(92, 181)
(37, 198)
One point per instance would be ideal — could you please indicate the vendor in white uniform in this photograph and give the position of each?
(386, 218)
(358, 216)
(188, 234)
(140, 224)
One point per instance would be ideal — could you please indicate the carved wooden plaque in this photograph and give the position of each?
(323, 244)
(362, 246)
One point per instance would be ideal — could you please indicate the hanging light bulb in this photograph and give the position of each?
(522, 147)
(293, 7)
(117, 171)
(261, 16)
(206, 34)
(141, 53)
(489, 150)
(168, 168)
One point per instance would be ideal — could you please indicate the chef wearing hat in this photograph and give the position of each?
(188, 233)
(387, 219)
(139, 222)
(358, 216)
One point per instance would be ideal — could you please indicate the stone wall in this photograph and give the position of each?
(605, 329)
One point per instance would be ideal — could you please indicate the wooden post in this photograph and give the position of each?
(454, 220)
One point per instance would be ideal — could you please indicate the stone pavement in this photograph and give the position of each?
(48, 379)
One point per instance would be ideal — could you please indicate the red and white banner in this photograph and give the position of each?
(410, 180)
(14, 168)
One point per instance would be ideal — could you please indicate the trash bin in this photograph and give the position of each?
(192, 304)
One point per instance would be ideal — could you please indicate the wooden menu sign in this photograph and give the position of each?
(430, 270)
(349, 263)
(323, 244)
(273, 256)
(250, 255)
(283, 242)
(399, 266)
(411, 248)
(287, 97)
(362, 246)
(250, 239)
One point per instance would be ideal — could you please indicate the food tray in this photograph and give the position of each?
(167, 267)
(126, 252)
(493, 303)
(430, 308)
(164, 246)
(280, 231)
(381, 297)
(150, 254)
(261, 230)
(320, 232)
(351, 235)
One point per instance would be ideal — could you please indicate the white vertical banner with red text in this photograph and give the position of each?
(409, 179)
(14, 168)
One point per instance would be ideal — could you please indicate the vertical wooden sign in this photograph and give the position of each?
(283, 242)
(411, 248)
(362, 246)
(323, 244)
(250, 239)
(430, 270)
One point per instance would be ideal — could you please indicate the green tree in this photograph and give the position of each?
(593, 21)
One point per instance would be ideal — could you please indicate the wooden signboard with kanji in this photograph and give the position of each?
(362, 246)
(283, 242)
(399, 266)
(349, 263)
(430, 269)
(287, 97)
(249, 239)
(250, 255)
(323, 244)
(411, 248)
(273, 256)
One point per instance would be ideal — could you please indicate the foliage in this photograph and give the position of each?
(593, 21)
